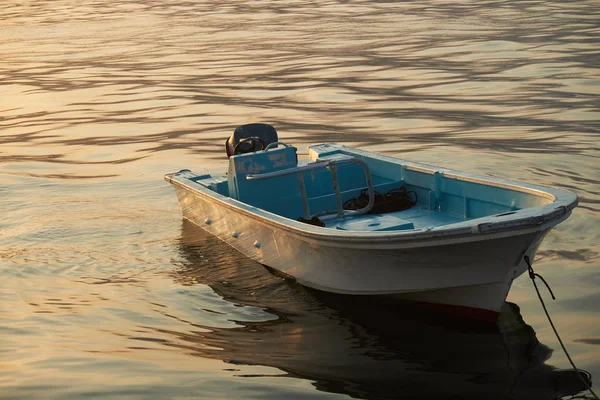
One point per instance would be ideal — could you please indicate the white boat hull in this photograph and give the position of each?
(473, 271)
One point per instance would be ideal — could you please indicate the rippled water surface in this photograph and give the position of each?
(106, 293)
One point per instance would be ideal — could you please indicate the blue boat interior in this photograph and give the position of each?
(442, 199)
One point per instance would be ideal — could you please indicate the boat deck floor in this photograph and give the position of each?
(413, 218)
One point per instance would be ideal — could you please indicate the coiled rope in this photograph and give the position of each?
(395, 200)
(533, 275)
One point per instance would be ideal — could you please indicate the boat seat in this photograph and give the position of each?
(371, 222)
(266, 193)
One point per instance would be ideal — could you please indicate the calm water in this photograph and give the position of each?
(106, 293)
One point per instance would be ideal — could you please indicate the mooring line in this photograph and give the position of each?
(532, 275)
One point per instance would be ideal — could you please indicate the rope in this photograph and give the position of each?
(532, 275)
(395, 200)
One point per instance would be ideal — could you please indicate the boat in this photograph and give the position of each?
(353, 222)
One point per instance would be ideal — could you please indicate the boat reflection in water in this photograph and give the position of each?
(365, 347)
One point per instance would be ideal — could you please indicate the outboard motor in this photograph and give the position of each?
(250, 137)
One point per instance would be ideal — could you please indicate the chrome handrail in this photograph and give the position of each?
(288, 171)
(332, 166)
(275, 144)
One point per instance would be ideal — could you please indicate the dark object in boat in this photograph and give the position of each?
(250, 137)
(395, 200)
(313, 221)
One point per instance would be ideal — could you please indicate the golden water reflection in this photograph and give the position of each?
(99, 294)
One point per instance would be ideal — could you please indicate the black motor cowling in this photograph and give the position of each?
(250, 137)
